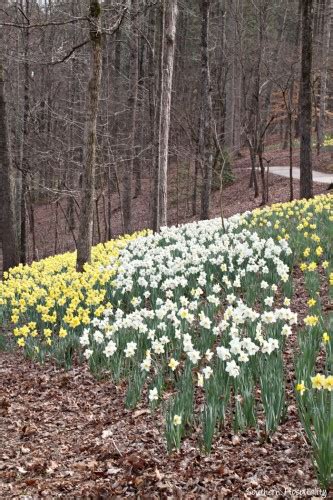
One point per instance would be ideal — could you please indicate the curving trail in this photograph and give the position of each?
(321, 177)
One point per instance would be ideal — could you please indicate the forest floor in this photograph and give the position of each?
(52, 421)
(52, 425)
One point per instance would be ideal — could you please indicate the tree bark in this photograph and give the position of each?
(207, 113)
(8, 230)
(323, 72)
(298, 50)
(237, 78)
(170, 22)
(138, 164)
(306, 183)
(24, 163)
(230, 77)
(132, 103)
(156, 27)
(89, 170)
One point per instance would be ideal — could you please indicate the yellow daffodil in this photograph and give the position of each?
(318, 381)
(301, 388)
(173, 364)
(62, 333)
(328, 383)
(312, 266)
(325, 338)
(311, 320)
(319, 251)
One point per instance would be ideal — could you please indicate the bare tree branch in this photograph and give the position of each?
(69, 54)
(44, 25)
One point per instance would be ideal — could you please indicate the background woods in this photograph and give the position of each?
(119, 115)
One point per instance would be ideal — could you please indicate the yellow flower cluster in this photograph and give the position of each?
(307, 224)
(50, 298)
(311, 320)
(283, 216)
(328, 141)
(318, 382)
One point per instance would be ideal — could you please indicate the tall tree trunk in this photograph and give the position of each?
(170, 21)
(230, 78)
(275, 65)
(238, 77)
(291, 147)
(132, 103)
(207, 113)
(323, 72)
(306, 183)
(8, 232)
(138, 166)
(74, 94)
(297, 48)
(254, 115)
(156, 28)
(88, 179)
(24, 162)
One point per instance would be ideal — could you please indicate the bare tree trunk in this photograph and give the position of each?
(56, 232)
(132, 103)
(109, 212)
(264, 180)
(289, 107)
(170, 21)
(8, 233)
(297, 48)
(141, 132)
(207, 113)
(276, 64)
(291, 160)
(23, 210)
(195, 180)
(32, 227)
(306, 183)
(238, 78)
(72, 174)
(230, 81)
(155, 64)
(254, 132)
(253, 176)
(24, 164)
(323, 73)
(88, 179)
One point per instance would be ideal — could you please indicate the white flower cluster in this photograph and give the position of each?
(172, 287)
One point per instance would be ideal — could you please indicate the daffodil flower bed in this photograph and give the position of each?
(308, 226)
(48, 303)
(196, 307)
(199, 310)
